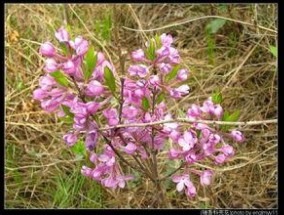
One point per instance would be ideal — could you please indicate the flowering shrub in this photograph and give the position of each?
(129, 116)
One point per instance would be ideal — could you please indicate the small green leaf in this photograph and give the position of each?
(172, 74)
(67, 119)
(64, 48)
(90, 62)
(79, 148)
(234, 116)
(160, 98)
(60, 78)
(158, 41)
(213, 26)
(145, 103)
(217, 97)
(226, 116)
(66, 110)
(150, 51)
(273, 50)
(230, 118)
(109, 80)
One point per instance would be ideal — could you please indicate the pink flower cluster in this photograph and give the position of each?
(154, 78)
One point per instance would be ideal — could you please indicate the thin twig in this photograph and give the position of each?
(199, 18)
(184, 120)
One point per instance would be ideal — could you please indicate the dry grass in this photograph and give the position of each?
(242, 67)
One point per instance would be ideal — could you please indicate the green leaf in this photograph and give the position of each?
(109, 80)
(66, 110)
(213, 26)
(64, 48)
(150, 51)
(173, 73)
(79, 148)
(217, 97)
(160, 98)
(158, 41)
(60, 78)
(67, 119)
(230, 118)
(234, 116)
(145, 103)
(274, 50)
(90, 61)
(226, 116)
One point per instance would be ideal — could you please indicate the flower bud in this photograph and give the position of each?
(92, 107)
(50, 65)
(39, 94)
(69, 67)
(47, 49)
(237, 136)
(62, 35)
(70, 139)
(219, 159)
(205, 177)
(227, 150)
(218, 111)
(140, 70)
(165, 68)
(130, 148)
(138, 55)
(166, 40)
(94, 88)
(182, 74)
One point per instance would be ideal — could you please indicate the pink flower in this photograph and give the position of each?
(180, 91)
(112, 116)
(140, 70)
(237, 136)
(166, 40)
(46, 82)
(47, 49)
(187, 141)
(227, 150)
(174, 56)
(130, 148)
(70, 138)
(69, 67)
(138, 55)
(218, 111)
(39, 94)
(91, 140)
(62, 35)
(173, 154)
(183, 182)
(86, 171)
(208, 106)
(94, 88)
(50, 65)
(182, 75)
(193, 112)
(220, 158)
(129, 112)
(205, 177)
(93, 157)
(122, 179)
(165, 68)
(154, 80)
(162, 53)
(92, 107)
(80, 45)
